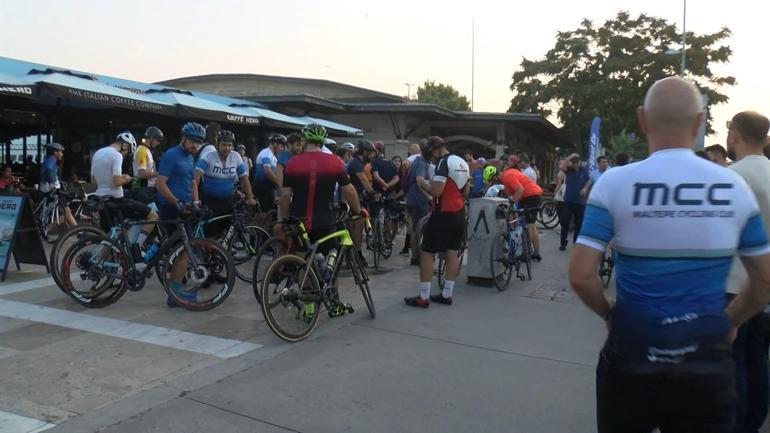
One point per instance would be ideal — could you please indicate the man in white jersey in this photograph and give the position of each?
(676, 220)
(746, 135)
(107, 175)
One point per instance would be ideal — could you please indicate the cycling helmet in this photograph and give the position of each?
(194, 130)
(364, 146)
(154, 132)
(128, 138)
(240, 146)
(349, 146)
(55, 146)
(489, 171)
(433, 143)
(225, 135)
(379, 145)
(329, 142)
(458, 170)
(314, 133)
(277, 138)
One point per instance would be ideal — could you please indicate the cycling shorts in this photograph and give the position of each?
(444, 231)
(530, 202)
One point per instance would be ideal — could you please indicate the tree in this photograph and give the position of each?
(628, 143)
(443, 95)
(606, 71)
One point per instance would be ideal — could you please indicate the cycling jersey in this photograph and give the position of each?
(676, 220)
(106, 163)
(312, 176)
(284, 157)
(386, 169)
(265, 157)
(355, 166)
(49, 174)
(494, 190)
(451, 199)
(143, 160)
(218, 177)
(513, 178)
(178, 166)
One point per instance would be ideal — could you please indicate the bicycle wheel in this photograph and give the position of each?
(548, 215)
(55, 223)
(362, 280)
(209, 284)
(500, 262)
(418, 230)
(243, 247)
(386, 240)
(93, 272)
(269, 250)
(64, 243)
(441, 270)
(291, 311)
(605, 270)
(526, 253)
(376, 245)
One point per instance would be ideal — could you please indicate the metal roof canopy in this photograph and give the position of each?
(203, 108)
(333, 127)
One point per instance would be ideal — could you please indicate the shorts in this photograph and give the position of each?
(444, 231)
(127, 208)
(416, 213)
(169, 212)
(218, 207)
(530, 202)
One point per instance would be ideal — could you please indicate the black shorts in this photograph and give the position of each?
(529, 202)
(444, 231)
(129, 209)
(218, 207)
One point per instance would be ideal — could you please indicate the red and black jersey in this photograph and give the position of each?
(451, 200)
(312, 176)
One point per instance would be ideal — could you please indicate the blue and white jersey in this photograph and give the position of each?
(676, 221)
(265, 157)
(218, 178)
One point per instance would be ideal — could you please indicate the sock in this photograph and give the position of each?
(176, 286)
(448, 287)
(141, 237)
(424, 290)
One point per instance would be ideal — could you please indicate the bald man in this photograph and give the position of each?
(675, 221)
(414, 152)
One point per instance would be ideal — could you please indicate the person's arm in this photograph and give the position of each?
(196, 184)
(513, 188)
(584, 278)
(559, 181)
(270, 174)
(279, 174)
(142, 161)
(118, 178)
(246, 185)
(755, 253)
(364, 181)
(393, 182)
(163, 189)
(379, 179)
(284, 201)
(586, 184)
(351, 197)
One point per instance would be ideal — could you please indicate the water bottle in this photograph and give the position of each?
(150, 252)
(331, 259)
(516, 235)
(320, 265)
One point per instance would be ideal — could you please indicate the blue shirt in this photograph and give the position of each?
(49, 171)
(218, 177)
(478, 181)
(676, 221)
(284, 157)
(414, 197)
(178, 166)
(575, 180)
(596, 174)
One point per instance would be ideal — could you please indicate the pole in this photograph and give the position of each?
(684, 38)
(473, 59)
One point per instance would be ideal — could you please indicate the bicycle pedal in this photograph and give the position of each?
(349, 308)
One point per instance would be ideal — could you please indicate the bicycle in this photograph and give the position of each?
(512, 250)
(293, 287)
(109, 269)
(440, 271)
(381, 235)
(606, 266)
(548, 215)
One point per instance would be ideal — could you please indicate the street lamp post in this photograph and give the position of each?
(409, 90)
(684, 38)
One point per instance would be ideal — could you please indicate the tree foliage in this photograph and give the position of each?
(606, 71)
(628, 143)
(443, 95)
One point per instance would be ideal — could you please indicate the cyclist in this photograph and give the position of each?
(348, 149)
(293, 148)
(265, 178)
(107, 175)
(444, 230)
(385, 179)
(330, 146)
(492, 178)
(174, 185)
(308, 189)
(241, 149)
(144, 161)
(527, 194)
(219, 170)
(49, 169)
(417, 198)
(364, 153)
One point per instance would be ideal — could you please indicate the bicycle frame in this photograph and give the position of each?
(346, 242)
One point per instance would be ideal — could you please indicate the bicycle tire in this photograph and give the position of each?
(64, 242)
(288, 300)
(376, 246)
(500, 265)
(243, 247)
(526, 253)
(268, 252)
(386, 242)
(418, 231)
(212, 260)
(80, 257)
(55, 223)
(441, 271)
(605, 270)
(362, 280)
(548, 215)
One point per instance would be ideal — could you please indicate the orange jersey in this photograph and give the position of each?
(513, 179)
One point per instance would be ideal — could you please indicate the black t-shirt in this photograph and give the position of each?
(311, 176)
(386, 169)
(356, 166)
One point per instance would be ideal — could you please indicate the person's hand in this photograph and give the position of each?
(584, 193)
(182, 207)
(732, 334)
(251, 201)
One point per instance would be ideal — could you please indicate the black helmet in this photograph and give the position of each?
(363, 145)
(225, 135)
(154, 132)
(55, 146)
(433, 143)
(277, 138)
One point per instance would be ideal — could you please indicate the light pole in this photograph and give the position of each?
(409, 90)
(684, 38)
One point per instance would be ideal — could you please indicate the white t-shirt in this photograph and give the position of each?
(106, 163)
(411, 158)
(530, 172)
(325, 149)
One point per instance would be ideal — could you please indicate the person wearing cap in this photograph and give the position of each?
(525, 165)
(144, 161)
(241, 149)
(575, 180)
(265, 178)
(49, 169)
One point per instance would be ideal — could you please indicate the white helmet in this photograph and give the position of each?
(128, 138)
(329, 141)
(349, 146)
(458, 170)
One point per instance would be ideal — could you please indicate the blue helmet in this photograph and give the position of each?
(194, 130)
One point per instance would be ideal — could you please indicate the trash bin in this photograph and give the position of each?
(483, 226)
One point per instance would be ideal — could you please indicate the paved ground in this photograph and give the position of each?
(515, 361)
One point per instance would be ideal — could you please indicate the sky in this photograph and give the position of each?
(379, 45)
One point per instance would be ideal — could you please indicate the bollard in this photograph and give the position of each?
(483, 226)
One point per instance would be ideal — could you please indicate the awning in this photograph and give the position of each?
(85, 89)
(271, 118)
(333, 127)
(17, 86)
(204, 108)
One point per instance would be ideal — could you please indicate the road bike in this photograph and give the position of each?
(548, 215)
(606, 266)
(512, 250)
